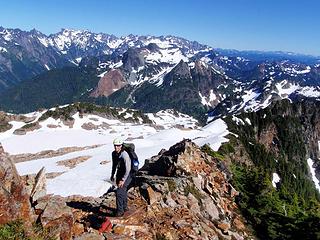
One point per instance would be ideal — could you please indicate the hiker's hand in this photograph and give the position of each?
(120, 184)
(112, 178)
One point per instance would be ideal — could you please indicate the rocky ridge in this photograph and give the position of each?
(180, 194)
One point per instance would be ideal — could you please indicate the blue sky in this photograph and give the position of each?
(239, 24)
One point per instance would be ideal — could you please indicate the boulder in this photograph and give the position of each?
(149, 194)
(57, 217)
(210, 208)
(14, 198)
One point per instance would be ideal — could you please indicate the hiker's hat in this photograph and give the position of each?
(117, 141)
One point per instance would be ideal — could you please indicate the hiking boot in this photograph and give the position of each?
(119, 214)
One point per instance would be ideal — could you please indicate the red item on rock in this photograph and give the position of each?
(106, 226)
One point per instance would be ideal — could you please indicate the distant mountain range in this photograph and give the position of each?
(269, 55)
(146, 72)
(25, 54)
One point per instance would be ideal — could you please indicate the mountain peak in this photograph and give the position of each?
(179, 72)
(72, 32)
(182, 69)
(132, 59)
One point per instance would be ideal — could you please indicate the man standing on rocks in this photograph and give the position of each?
(121, 165)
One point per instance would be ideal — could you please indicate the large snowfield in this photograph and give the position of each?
(91, 178)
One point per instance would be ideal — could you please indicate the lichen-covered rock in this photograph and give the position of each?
(14, 198)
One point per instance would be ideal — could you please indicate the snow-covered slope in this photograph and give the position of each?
(90, 177)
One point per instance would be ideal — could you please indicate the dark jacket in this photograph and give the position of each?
(121, 163)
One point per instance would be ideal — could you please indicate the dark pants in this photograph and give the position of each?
(122, 196)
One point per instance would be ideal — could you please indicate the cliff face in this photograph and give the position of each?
(270, 168)
(285, 129)
(109, 83)
(304, 121)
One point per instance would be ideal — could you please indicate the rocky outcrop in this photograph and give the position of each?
(180, 193)
(27, 128)
(4, 122)
(132, 60)
(48, 153)
(181, 72)
(57, 217)
(153, 47)
(39, 188)
(109, 83)
(73, 162)
(269, 138)
(14, 198)
(6, 118)
(188, 195)
(17, 195)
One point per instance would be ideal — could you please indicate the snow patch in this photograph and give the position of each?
(6, 35)
(2, 49)
(266, 102)
(78, 60)
(284, 91)
(158, 78)
(212, 134)
(169, 118)
(171, 56)
(102, 74)
(114, 44)
(43, 41)
(207, 101)
(275, 179)
(309, 92)
(248, 121)
(116, 65)
(237, 120)
(313, 173)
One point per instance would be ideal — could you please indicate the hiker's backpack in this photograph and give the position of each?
(129, 148)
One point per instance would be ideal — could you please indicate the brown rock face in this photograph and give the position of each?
(14, 199)
(58, 218)
(109, 83)
(268, 137)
